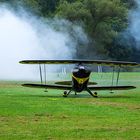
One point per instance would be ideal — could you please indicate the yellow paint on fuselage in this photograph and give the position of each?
(80, 80)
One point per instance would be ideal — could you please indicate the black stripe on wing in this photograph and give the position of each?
(61, 87)
(111, 87)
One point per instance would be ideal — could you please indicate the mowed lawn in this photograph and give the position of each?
(32, 114)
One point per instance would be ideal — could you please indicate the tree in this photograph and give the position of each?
(40, 7)
(102, 20)
(48, 7)
(129, 3)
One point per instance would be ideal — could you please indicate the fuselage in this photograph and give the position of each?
(80, 78)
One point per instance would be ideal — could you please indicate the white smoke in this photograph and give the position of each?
(134, 26)
(28, 37)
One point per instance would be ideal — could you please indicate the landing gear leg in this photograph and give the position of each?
(92, 94)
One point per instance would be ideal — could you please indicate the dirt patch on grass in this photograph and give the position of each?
(8, 84)
(119, 105)
(4, 119)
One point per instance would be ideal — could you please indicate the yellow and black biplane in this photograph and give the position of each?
(80, 76)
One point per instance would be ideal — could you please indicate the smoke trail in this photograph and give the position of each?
(33, 38)
(134, 27)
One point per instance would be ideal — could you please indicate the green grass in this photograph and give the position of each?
(32, 114)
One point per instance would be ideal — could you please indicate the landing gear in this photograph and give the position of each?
(92, 94)
(88, 90)
(67, 93)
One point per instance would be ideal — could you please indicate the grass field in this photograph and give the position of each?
(32, 114)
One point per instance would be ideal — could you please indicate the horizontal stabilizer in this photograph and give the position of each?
(111, 87)
(61, 87)
(70, 83)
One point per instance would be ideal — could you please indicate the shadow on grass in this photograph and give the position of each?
(75, 96)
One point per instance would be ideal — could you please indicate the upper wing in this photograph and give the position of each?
(111, 87)
(98, 62)
(48, 86)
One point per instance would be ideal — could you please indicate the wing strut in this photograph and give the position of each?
(113, 76)
(40, 70)
(118, 75)
(45, 73)
(100, 69)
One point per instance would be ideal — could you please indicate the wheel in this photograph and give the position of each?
(65, 94)
(95, 94)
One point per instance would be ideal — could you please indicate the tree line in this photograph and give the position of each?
(104, 21)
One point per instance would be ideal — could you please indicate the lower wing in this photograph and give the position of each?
(111, 87)
(61, 87)
(67, 87)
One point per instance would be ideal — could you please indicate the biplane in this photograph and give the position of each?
(80, 76)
